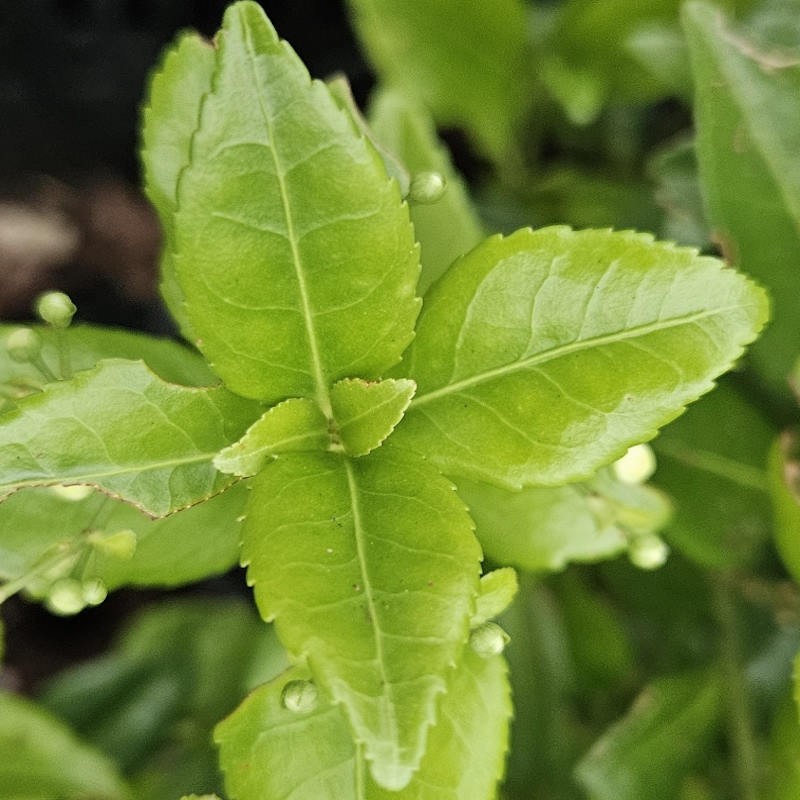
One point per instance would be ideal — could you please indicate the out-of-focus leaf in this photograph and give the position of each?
(122, 429)
(712, 462)
(269, 752)
(375, 583)
(660, 48)
(449, 227)
(748, 137)
(153, 700)
(783, 756)
(784, 475)
(41, 758)
(546, 528)
(543, 356)
(293, 249)
(653, 747)
(469, 63)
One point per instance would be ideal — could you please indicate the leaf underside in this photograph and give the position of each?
(542, 356)
(374, 582)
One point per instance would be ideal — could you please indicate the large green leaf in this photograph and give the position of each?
(41, 759)
(650, 750)
(121, 428)
(170, 118)
(449, 227)
(374, 581)
(468, 62)
(542, 356)
(748, 137)
(293, 248)
(269, 752)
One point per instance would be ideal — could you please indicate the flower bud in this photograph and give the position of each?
(56, 309)
(119, 544)
(24, 345)
(488, 640)
(94, 591)
(637, 465)
(300, 697)
(426, 187)
(65, 597)
(648, 551)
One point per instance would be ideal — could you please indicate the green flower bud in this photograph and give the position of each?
(637, 465)
(74, 492)
(488, 640)
(300, 697)
(56, 309)
(24, 345)
(65, 597)
(94, 591)
(426, 187)
(648, 551)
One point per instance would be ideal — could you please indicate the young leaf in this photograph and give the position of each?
(748, 137)
(650, 750)
(366, 413)
(543, 356)
(449, 227)
(268, 752)
(170, 118)
(374, 582)
(293, 249)
(40, 757)
(497, 591)
(294, 425)
(122, 429)
(467, 62)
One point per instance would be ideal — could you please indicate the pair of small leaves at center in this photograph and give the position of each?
(364, 414)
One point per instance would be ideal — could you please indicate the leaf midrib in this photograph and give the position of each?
(565, 350)
(321, 384)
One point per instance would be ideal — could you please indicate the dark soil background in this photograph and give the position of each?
(72, 216)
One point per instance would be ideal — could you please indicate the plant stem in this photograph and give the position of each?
(740, 727)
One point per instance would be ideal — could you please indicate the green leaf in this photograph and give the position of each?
(449, 227)
(121, 428)
(85, 345)
(650, 750)
(41, 758)
(547, 528)
(748, 137)
(783, 776)
(294, 425)
(712, 461)
(542, 356)
(374, 582)
(170, 118)
(468, 63)
(783, 475)
(293, 248)
(45, 526)
(498, 588)
(366, 413)
(268, 752)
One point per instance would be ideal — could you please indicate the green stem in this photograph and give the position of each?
(740, 724)
(64, 360)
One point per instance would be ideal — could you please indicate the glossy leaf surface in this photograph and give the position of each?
(748, 137)
(449, 227)
(466, 62)
(41, 758)
(366, 413)
(374, 583)
(171, 116)
(293, 249)
(294, 425)
(543, 356)
(122, 429)
(268, 752)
